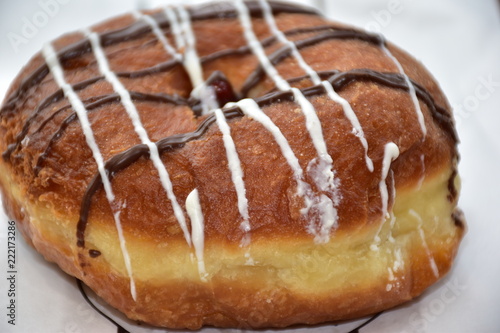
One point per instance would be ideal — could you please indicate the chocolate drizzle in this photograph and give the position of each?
(159, 68)
(169, 64)
(339, 81)
(253, 79)
(120, 329)
(93, 104)
(54, 98)
(286, 51)
(357, 329)
(137, 30)
(94, 253)
(458, 218)
(452, 189)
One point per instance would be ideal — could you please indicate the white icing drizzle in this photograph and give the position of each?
(411, 89)
(271, 22)
(399, 263)
(313, 126)
(391, 278)
(57, 71)
(250, 108)
(328, 216)
(175, 28)
(313, 123)
(184, 38)
(391, 213)
(348, 111)
(391, 274)
(357, 130)
(320, 169)
(193, 208)
(25, 141)
(391, 152)
(421, 232)
(422, 178)
(182, 29)
(325, 205)
(325, 177)
(192, 62)
(256, 47)
(156, 30)
(249, 260)
(132, 112)
(125, 254)
(234, 165)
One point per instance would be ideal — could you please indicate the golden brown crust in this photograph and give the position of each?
(250, 297)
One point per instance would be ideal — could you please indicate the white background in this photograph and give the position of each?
(458, 40)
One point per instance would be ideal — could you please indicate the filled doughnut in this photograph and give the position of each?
(237, 164)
